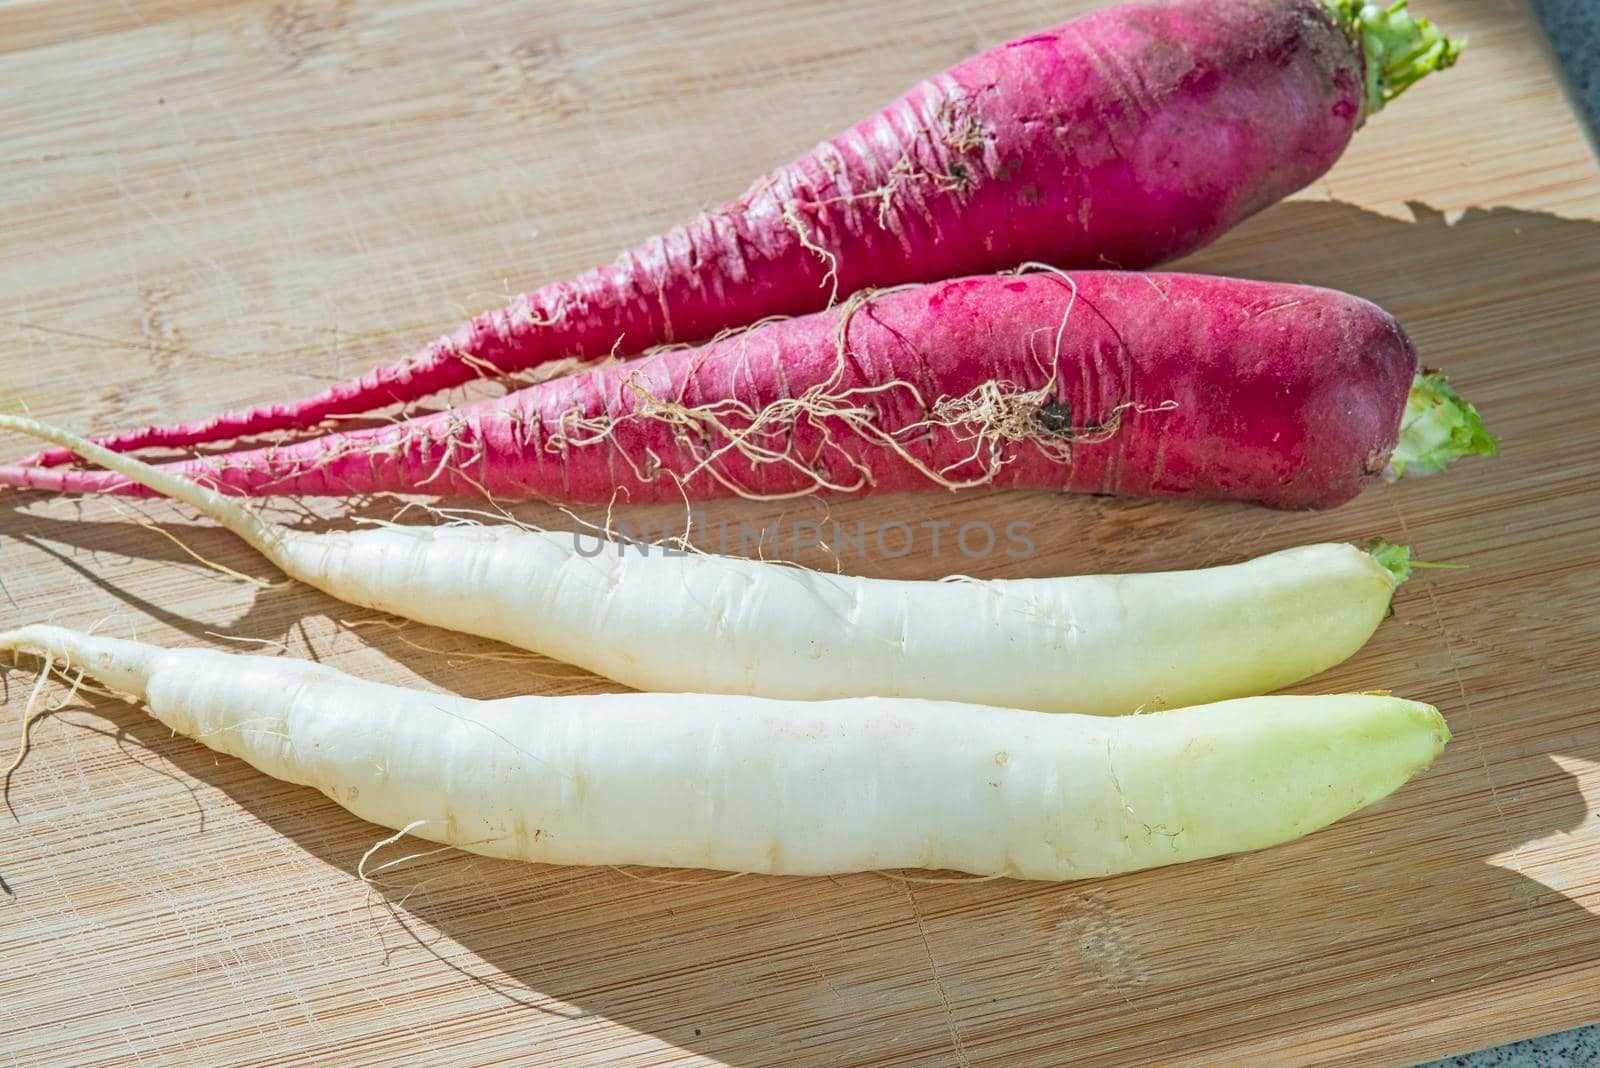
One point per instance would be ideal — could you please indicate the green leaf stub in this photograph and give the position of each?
(1437, 428)
(1398, 49)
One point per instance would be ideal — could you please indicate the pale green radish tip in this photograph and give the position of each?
(1430, 717)
(1397, 48)
(1395, 559)
(1437, 428)
(1441, 728)
(1435, 722)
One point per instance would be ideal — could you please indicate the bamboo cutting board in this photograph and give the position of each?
(209, 203)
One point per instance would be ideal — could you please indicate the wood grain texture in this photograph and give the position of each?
(206, 204)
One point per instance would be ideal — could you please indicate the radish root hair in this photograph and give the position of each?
(658, 881)
(936, 880)
(281, 648)
(361, 865)
(29, 715)
(455, 658)
(139, 520)
(791, 219)
(993, 417)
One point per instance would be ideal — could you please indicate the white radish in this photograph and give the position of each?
(782, 787)
(1100, 644)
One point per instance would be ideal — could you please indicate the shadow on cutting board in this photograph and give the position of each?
(1419, 898)
(1414, 900)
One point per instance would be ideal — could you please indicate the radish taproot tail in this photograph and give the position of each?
(1123, 138)
(1101, 644)
(1160, 385)
(747, 784)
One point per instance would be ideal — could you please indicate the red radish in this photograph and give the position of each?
(1151, 384)
(1123, 138)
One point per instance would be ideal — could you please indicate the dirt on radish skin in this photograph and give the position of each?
(781, 787)
(1164, 385)
(1123, 138)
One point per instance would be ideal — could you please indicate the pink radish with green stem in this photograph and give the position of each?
(1164, 385)
(1123, 138)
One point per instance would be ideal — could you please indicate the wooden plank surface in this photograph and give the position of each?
(207, 203)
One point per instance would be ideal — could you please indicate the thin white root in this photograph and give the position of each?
(270, 643)
(937, 880)
(29, 715)
(266, 584)
(361, 866)
(408, 858)
(455, 658)
(658, 881)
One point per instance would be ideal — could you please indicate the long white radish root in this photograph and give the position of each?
(782, 787)
(713, 624)
(1097, 644)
